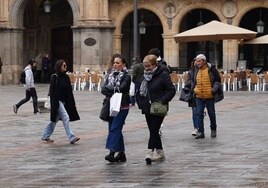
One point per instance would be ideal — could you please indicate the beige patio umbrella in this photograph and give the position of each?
(259, 40)
(214, 31)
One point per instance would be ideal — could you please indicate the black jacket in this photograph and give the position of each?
(160, 89)
(124, 89)
(61, 90)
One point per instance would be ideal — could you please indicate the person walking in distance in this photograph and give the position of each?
(45, 68)
(156, 86)
(207, 83)
(62, 104)
(30, 89)
(160, 60)
(137, 76)
(118, 80)
(38, 60)
(189, 84)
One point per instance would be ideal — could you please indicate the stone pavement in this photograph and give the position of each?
(236, 158)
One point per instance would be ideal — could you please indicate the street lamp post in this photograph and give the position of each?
(135, 28)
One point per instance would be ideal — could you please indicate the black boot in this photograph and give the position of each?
(121, 157)
(110, 157)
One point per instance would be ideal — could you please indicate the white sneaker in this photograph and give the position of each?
(149, 156)
(159, 155)
(194, 132)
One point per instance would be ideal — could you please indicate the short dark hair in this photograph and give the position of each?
(30, 62)
(154, 51)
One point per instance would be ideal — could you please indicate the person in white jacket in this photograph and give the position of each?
(30, 89)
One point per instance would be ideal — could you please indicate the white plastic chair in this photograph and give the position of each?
(94, 82)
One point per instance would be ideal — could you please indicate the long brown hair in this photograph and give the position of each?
(58, 65)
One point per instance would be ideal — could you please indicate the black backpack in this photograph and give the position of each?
(22, 77)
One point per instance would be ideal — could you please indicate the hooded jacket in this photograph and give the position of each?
(29, 79)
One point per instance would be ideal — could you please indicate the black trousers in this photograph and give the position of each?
(154, 124)
(29, 93)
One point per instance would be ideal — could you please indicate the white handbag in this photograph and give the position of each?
(47, 103)
(115, 104)
(132, 89)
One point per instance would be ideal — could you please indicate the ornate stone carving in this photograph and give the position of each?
(170, 10)
(229, 9)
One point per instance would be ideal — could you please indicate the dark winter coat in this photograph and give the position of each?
(189, 84)
(124, 89)
(61, 90)
(160, 89)
(138, 71)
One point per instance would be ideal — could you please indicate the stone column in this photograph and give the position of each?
(12, 52)
(230, 54)
(171, 50)
(117, 43)
(93, 56)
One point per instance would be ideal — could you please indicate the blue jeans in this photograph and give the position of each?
(210, 105)
(115, 139)
(195, 117)
(63, 115)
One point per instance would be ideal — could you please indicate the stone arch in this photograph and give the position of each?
(17, 11)
(185, 11)
(118, 22)
(246, 9)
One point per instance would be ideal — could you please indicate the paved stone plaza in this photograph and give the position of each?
(238, 157)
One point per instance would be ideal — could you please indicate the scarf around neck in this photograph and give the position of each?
(115, 77)
(148, 75)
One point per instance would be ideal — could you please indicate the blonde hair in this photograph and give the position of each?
(150, 59)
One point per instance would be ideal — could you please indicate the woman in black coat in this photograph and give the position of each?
(118, 80)
(155, 87)
(62, 103)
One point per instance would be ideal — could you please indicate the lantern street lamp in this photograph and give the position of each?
(260, 25)
(47, 6)
(142, 28)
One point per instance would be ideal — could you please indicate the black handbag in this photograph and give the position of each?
(105, 109)
(186, 95)
(219, 95)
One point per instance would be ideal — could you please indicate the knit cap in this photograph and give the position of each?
(201, 56)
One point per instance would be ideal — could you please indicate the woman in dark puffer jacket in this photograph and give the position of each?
(155, 87)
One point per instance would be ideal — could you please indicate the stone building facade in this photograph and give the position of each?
(87, 32)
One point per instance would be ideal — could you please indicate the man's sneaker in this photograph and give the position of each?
(199, 135)
(194, 132)
(15, 108)
(213, 133)
(75, 139)
(47, 140)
